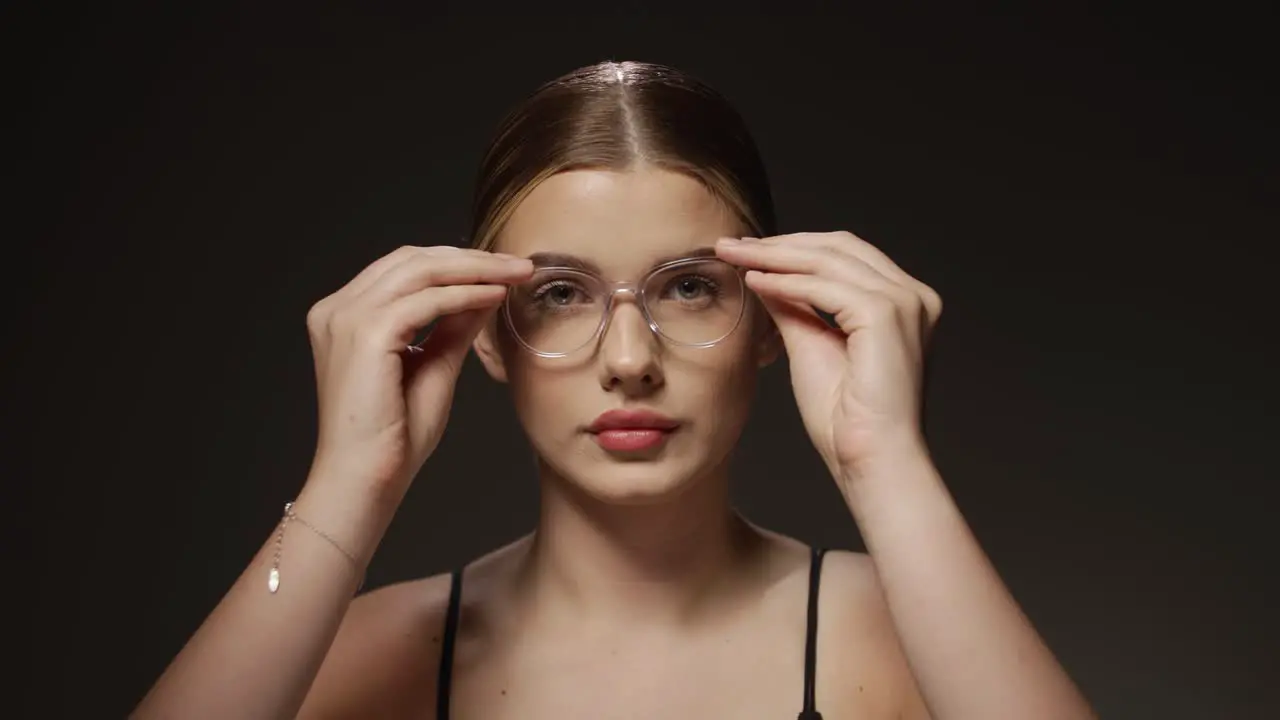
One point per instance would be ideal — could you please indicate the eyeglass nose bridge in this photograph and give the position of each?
(635, 292)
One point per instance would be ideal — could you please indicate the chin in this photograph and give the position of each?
(633, 483)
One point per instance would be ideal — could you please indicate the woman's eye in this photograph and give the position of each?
(692, 287)
(558, 293)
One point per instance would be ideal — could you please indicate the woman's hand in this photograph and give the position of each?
(858, 385)
(382, 407)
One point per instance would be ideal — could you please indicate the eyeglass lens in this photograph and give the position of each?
(559, 310)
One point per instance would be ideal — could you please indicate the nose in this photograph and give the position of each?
(629, 352)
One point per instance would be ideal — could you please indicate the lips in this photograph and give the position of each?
(632, 420)
(632, 430)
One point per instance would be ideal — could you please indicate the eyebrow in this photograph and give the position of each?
(550, 259)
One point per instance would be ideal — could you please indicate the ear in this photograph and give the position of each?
(768, 341)
(486, 347)
(769, 347)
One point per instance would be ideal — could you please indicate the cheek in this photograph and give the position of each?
(543, 392)
(735, 380)
(722, 389)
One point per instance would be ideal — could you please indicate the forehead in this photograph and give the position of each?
(621, 221)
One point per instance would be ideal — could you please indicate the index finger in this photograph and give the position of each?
(376, 269)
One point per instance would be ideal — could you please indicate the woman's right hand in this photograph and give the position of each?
(383, 409)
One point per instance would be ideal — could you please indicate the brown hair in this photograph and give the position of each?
(616, 116)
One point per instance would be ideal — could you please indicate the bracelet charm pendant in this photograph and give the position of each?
(273, 578)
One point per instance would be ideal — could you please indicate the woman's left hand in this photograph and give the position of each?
(858, 385)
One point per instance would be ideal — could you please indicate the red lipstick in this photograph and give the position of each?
(631, 430)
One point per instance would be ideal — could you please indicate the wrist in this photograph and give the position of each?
(896, 490)
(889, 457)
(355, 517)
(887, 449)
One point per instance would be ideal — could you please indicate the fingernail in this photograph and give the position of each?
(728, 241)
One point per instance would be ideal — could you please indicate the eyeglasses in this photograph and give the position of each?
(693, 302)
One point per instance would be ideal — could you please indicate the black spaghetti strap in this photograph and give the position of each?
(444, 679)
(810, 711)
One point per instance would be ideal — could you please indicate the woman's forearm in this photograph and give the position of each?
(258, 652)
(972, 650)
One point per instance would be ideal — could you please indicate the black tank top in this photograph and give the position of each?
(809, 712)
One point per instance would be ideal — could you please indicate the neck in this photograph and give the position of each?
(662, 561)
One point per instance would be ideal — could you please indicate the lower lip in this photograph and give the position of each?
(631, 440)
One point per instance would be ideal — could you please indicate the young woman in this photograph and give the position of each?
(627, 285)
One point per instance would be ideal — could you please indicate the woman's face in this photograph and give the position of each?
(620, 226)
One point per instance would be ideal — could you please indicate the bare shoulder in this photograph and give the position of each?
(385, 658)
(852, 607)
(385, 655)
(860, 657)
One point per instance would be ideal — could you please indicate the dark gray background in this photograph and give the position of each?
(1093, 195)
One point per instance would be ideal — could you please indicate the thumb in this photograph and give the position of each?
(445, 348)
(431, 376)
(794, 320)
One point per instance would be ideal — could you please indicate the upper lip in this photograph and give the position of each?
(632, 420)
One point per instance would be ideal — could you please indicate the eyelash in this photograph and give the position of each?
(712, 286)
(548, 286)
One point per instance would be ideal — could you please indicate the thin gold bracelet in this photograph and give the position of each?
(273, 579)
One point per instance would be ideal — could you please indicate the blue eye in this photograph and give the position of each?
(557, 293)
(694, 287)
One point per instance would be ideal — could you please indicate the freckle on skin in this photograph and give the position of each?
(435, 638)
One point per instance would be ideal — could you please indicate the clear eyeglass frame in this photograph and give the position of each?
(637, 292)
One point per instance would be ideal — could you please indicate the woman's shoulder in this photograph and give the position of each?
(860, 656)
(852, 607)
(847, 578)
(386, 653)
(860, 662)
(844, 575)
